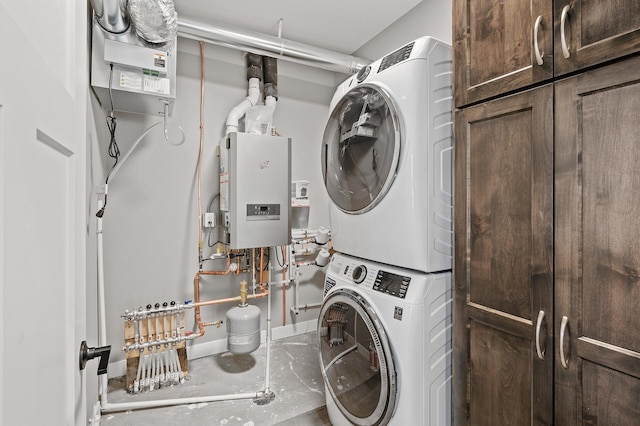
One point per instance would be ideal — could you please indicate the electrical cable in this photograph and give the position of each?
(281, 265)
(210, 231)
(113, 150)
(265, 265)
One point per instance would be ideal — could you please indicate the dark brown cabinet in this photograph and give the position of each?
(597, 247)
(547, 213)
(494, 46)
(589, 32)
(505, 45)
(503, 314)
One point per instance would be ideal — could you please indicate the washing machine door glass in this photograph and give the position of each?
(361, 147)
(356, 360)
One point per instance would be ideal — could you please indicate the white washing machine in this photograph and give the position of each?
(385, 344)
(387, 159)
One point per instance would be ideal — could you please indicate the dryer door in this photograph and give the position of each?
(361, 147)
(356, 359)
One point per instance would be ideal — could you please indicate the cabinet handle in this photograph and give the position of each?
(563, 38)
(564, 359)
(536, 47)
(539, 350)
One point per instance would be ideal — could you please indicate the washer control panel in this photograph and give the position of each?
(395, 285)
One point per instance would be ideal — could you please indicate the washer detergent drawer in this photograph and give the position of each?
(356, 360)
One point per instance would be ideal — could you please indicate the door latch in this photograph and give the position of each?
(87, 354)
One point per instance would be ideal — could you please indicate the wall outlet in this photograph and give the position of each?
(209, 220)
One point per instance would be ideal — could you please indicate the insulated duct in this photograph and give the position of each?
(111, 15)
(154, 21)
(266, 45)
(270, 67)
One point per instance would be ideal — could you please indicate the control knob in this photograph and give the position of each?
(359, 274)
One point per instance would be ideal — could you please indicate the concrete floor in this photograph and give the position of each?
(294, 378)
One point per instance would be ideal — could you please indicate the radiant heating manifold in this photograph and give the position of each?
(155, 346)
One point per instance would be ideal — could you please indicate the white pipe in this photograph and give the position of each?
(102, 316)
(266, 45)
(271, 101)
(266, 379)
(239, 110)
(124, 406)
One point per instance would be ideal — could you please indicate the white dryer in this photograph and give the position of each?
(387, 159)
(385, 344)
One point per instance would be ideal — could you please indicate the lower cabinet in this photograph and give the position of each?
(504, 261)
(597, 247)
(547, 254)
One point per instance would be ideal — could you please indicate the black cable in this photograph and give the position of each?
(281, 265)
(258, 266)
(209, 239)
(211, 200)
(113, 150)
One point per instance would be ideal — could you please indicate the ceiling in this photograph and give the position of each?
(339, 25)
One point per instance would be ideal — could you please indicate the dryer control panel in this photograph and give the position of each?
(395, 285)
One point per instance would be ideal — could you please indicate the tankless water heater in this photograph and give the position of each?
(255, 198)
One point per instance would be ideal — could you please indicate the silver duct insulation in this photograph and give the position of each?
(111, 15)
(266, 45)
(155, 21)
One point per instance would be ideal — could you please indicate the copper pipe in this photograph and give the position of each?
(196, 295)
(197, 303)
(260, 266)
(210, 323)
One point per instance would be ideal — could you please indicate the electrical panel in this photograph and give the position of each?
(129, 75)
(255, 195)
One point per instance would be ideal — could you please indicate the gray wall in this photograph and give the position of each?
(151, 219)
(429, 18)
(150, 225)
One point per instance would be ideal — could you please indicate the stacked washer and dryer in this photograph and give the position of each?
(385, 323)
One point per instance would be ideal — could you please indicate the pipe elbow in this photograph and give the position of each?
(239, 110)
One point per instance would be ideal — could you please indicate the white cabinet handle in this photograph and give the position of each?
(564, 359)
(539, 350)
(536, 47)
(563, 38)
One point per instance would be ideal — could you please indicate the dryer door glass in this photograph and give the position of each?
(361, 149)
(356, 359)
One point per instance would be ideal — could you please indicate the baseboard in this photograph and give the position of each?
(201, 350)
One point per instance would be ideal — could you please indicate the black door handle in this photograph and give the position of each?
(87, 354)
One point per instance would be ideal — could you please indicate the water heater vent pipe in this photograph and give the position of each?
(267, 45)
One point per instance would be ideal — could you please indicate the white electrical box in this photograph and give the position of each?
(143, 78)
(255, 194)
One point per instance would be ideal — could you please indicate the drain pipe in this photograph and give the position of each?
(266, 45)
(254, 75)
(111, 15)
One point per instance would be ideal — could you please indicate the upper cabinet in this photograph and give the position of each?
(591, 32)
(505, 45)
(500, 46)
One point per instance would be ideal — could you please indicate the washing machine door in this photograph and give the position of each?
(361, 147)
(356, 359)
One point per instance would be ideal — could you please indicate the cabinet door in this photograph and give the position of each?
(504, 261)
(594, 31)
(494, 46)
(597, 244)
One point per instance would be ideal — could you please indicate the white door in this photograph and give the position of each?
(43, 101)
